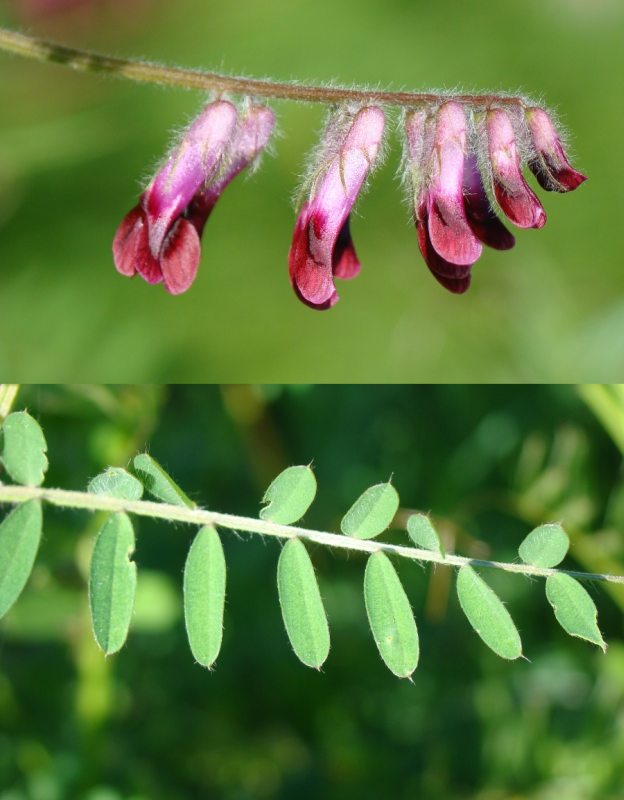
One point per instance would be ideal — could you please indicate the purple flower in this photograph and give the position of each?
(550, 163)
(322, 247)
(511, 190)
(451, 209)
(160, 238)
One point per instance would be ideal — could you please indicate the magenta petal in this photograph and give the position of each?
(131, 251)
(345, 263)
(514, 196)
(454, 277)
(180, 257)
(550, 165)
(129, 231)
(481, 216)
(451, 236)
(312, 279)
(320, 306)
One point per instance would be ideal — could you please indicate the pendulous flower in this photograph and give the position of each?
(550, 163)
(160, 238)
(322, 248)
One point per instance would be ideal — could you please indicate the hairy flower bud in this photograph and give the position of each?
(160, 238)
(322, 248)
(514, 196)
(550, 164)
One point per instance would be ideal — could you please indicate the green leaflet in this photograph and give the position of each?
(574, 609)
(423, 534)
(545, 546)
(289, 496)
(302, 607)
(158, 483)
(390, 616)
(372, 512)
(20, 533)
(112, 583)
(204, 595)
(487, 614)
(116, 482)
(23, 449)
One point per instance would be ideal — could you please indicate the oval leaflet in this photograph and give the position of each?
(20, 534)
(372, 512)
(545, 546)
(302, 608)
(112, 583)
(116, 482)
(487, 614)
(204, 595)
(23, 449)
(289, 496)
(390, 616)
(574, 609)
(421, 531)
(158, 482)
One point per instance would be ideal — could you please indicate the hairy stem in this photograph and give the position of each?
(148, 72)
(8, 396)
(198, 516)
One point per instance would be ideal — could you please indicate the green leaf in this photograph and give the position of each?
(423, 534)
(289, 496)
(487, 614)
(112, 583)
(20, 533)
(158, 483)
(23, 449)
(390, 616)
(372, 512)
(204, 595)
(116, 482)
(574, 609)
(302, 607)
(545, 546)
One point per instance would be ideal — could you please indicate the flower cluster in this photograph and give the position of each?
(461, 165)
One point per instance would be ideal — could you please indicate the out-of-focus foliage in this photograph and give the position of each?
(74, 148)
(489, 463)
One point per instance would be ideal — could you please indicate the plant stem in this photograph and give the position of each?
(198, 516)
(147, 72)
(8, 396)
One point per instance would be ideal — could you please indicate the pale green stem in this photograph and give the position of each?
(147, 72)
(198, 516)
(8, 395)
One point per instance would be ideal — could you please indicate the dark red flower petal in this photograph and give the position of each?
(312, 279)
(451, 235)
(520, 204)
(454, 277)
(345, 263)
(180, 256)
(131, 251)
(481, 216)
(556, 177)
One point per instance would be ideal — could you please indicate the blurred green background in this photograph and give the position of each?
(148, 723)
(74, 148)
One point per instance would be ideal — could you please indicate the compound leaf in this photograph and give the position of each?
(545, 546)
(372, 512)
(390, 616)
(487, 614)
(289, 496)
(116, 482)
(158, 483)
(23, 449)
(112, 583)
(20, 533)
(204, 595)
(574, 609)
(302, 608)
(423, 534)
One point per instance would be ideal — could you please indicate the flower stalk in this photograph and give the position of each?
(197, 516)
(148, 72)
